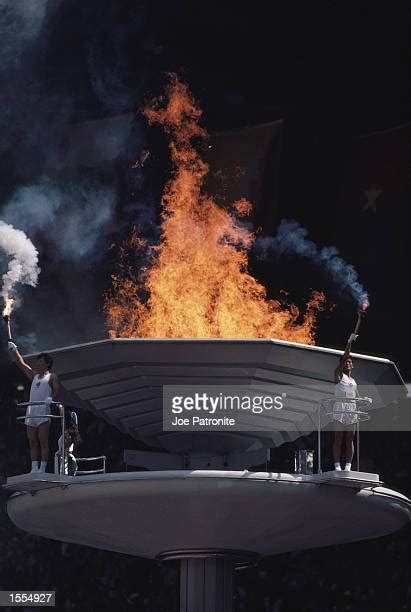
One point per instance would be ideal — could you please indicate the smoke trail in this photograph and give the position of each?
(23, 266)
(74, 217)
(292, 238)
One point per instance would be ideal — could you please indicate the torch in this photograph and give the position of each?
(8, 307)
(6, 319)
(360, 316)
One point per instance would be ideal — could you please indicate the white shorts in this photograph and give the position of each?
(38, 412)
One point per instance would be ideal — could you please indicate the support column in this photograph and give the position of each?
(206, 585)
(207, 577)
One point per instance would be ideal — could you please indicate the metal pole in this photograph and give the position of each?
(6, 320)
(319, 439)
(358, 444)
(63, 433)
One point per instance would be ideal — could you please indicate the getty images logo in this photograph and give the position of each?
(211, 403)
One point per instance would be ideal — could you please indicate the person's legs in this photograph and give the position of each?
(34, 442)
(349, 447)
(44, 444)
(338, 436)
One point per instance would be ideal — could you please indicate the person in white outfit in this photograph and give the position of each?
(44, 388)
(345, 418)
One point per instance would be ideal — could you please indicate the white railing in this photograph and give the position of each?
(58, 461)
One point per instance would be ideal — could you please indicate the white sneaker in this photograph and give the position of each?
(337, 468)
(34, 466)
(347, 468)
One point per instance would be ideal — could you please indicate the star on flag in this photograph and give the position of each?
(372, 194)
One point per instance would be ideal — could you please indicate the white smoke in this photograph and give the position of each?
(23, 265)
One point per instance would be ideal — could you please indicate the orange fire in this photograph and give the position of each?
(197, 284)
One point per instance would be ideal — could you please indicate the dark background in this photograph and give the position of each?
(337, 74)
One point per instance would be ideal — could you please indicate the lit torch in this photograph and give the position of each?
(6, 319)
(8, 307)
(361, 314)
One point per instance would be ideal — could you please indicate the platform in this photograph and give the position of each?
(212, 520)
(122, 382)
(258, 514)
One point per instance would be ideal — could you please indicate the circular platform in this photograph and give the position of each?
(150, 514)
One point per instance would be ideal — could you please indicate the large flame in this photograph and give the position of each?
(198, 284)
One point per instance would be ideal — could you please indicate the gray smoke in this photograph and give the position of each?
(292, 239)
(27, 343)
(24, 110)
(107, 81)
(20, 23)
(74, 217)
(111, 69)
(55, 134)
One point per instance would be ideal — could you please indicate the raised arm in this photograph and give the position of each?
(339, 369)
(20, 361)
(55, 385)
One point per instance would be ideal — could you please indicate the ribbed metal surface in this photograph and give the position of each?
(122, 380)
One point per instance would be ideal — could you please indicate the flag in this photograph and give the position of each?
(373, 233)
(244, 163)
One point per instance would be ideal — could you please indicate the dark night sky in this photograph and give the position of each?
(348, 66)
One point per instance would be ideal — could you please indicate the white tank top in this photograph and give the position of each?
(40, 388)
(346, 387)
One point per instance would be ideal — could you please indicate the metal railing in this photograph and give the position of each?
(361, 415)
(68, 455)
(101, 470)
